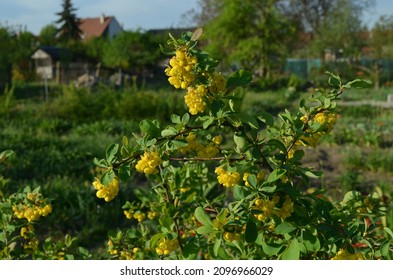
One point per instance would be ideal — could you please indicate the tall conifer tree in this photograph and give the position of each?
(69, 23)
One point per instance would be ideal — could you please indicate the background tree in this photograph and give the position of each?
(333, 24)
(25, 43)
(380, 43)
(47, 35)
(130, 51)
(69, 23)
(249, 34)
(381, 40)
(7, 45)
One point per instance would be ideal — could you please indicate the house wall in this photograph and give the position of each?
(113, 28)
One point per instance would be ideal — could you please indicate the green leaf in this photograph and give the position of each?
(111, 152)
(385, 248)
(207, 122)
(284, 228)
(166, 221)
(155, 238)
(6, 154)
(240, 141)
(359, 83)
(238, 193)
(292, 252)
(125, 172)
(251, 233)
(313, 174)
(276, 175)
(269, 189)
(2, 237)
(185, 119)
(334, 80)
(271, 249)
(278, 144)
(252, 180)
(150, 128)
(266, 118)
(202, 217)
(176, 144)
(326, 103)
(204, 230)
(389, 231)
(248, 119)
(216, 246)
(311, 242)
(107, 177)
(239, 78)
(168, 132)
(351, 195)
(100, 163)
(175, 119)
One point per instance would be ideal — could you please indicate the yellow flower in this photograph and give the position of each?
(227, 178)
(217, 140)
(208, 151)
(108, 192)
(286, 210)
(266, 206)
(140, 216)
(128, 213)
(152, 215)
(166, 246)
(148, 163)
(342, 254)
(181, 68)
(231, 236)
(196, 99)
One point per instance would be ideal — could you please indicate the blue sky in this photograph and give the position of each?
(133, 14)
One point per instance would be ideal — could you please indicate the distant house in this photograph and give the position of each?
(46, 58)
(60, 64)
(102, 26)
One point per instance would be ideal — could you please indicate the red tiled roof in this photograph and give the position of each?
(94, 27)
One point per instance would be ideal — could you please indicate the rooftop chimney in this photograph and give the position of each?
(102, 18)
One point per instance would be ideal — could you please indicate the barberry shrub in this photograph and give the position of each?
(225, 184)
(20, 215)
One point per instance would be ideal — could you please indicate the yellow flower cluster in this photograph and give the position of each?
(232, 233)
(286, 210)
(268, 208)
(344, 255)
(31, 244)
(166, 246)
(226, 178)
(202, 151)
(148, 163)
(180, 71)
(124, 254)
(218, 83)
(106, 192)
(139, 215)
(196, 99)
(326, 119)
(34, 209)
(26, 231)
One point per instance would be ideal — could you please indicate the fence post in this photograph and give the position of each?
(57, 72)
